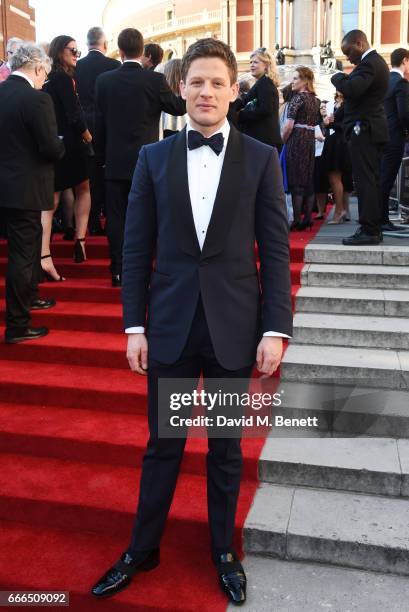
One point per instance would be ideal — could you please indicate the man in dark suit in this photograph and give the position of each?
(198, 202)
(366, 129)
(29, 146)
(129, 102)
(152, 56)
(86, 73)
(397, 113)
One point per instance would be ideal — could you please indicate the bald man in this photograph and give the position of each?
(366, 130)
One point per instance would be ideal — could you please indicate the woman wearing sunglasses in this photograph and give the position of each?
(71, 171)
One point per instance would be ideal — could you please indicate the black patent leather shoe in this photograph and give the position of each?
(116, 280)
(232, 578)
(120, 575)
(42, 304)
(30, 333)
(361, 238)
(390, 227)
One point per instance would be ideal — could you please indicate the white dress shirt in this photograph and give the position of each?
(399, 71)
(135, 61)
(204, 168)
(367, 53)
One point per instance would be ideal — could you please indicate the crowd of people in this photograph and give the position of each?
(106, 110)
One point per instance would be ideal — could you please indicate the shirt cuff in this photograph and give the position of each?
(135, 330)
(277, 334)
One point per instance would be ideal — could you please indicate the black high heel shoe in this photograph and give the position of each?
(304, 224)
(79, 256)
(49, 276)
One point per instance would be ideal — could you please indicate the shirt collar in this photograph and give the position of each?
(367, 53)
(23, 76)
(224, 129)
(135, 61)
(398, 71)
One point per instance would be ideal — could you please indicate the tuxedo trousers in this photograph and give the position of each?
(391, 161)
(366, 169)
(161, 462)
(116, 204)
(97, 188)
(24, 232)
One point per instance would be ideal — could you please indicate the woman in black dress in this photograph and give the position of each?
(258, 114)
(71, 171)
(337, 162)
(299, 136)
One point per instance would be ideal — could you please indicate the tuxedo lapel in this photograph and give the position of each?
(179, 197)
(227, 195)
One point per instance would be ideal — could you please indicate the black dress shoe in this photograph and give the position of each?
(42, 304)
(390, 227)
(30, 333)
(361, 238)
(117, 280)
(232, 578)
(96, 230)
(119, 576)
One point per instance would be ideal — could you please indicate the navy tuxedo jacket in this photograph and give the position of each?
(239, 303)
(397, 108)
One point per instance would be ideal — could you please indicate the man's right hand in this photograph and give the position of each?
(137, 353)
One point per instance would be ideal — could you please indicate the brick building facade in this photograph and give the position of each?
(17, 18)
(298, 26)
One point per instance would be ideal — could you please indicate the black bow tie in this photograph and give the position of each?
(196, 140)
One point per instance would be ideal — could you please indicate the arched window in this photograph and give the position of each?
(350, 15)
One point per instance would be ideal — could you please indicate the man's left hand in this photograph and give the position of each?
(269, 355)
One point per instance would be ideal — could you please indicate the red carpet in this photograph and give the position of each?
(72, 434)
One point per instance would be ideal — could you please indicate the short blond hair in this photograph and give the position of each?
(269, 61)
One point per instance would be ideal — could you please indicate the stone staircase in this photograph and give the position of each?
(338, 494)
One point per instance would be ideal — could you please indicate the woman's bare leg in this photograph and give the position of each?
(335, 180)
(47, 222)
(82, 207)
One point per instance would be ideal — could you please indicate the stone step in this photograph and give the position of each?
(336, 527)
(351, 330)
(346, 366)
(340, 410)
(334, 300)
(363, 276)
(366, 465)
(367, 255)
(295, 586)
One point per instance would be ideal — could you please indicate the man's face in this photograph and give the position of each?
(208, 91)
(353, 52)
(39, 76)
(11, 51)
(405, 68)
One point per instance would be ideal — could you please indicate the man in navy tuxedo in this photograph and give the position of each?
(198, 202)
